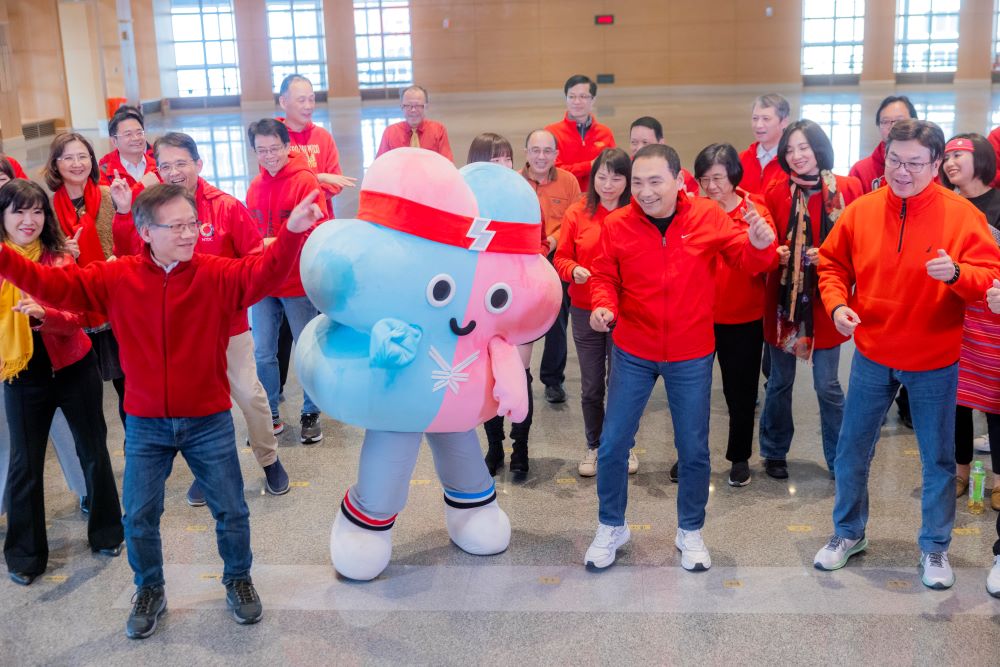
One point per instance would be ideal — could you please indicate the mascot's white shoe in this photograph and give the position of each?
(358, 553)
(480, 531)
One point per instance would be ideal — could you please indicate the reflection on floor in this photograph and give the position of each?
(534, 604)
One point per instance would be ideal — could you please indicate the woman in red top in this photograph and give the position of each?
(85, 213)
(739, 307)
(6, 171)
(608, 189)
(796, 326)
(46, 363)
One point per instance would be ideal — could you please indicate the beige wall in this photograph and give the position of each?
(38, 60)
(147, 61)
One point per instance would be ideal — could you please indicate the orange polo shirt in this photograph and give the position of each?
(555, 194)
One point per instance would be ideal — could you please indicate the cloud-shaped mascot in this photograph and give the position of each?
(423, 300)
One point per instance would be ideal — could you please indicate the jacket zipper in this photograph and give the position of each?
(902, 227)
(163, 319)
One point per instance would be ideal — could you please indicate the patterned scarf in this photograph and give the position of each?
(798, 289)
(16, 345)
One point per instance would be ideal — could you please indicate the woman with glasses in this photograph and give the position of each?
(805, 207)
(86, 213)
(580, 239)
(739, 306)
(46, 363)
(969, 167)
(132, 158)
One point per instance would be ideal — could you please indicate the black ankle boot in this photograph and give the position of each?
(519, 458)
(494, 438)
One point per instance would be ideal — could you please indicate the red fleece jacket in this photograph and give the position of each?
(756, 180)
(870, 170)
(576, 154)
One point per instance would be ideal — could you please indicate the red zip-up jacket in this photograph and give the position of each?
(755, 179)
(226, 230)
(739, 296)
(870, 170)
(320, 150)
(994, 139)
(575, 154)
(579, 243)
(61, 330)
(661, 288)
(779, 202)
(172, 328)
(271, 200)
(113, 161)
(875, 260)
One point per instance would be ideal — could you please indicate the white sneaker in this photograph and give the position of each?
(633, 463)
(694, 553)
(588, 466)
(937, 572)
(836, 552)
(982, 443)
(993, 579)
(602, 550)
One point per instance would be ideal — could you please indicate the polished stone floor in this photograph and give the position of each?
(762, 602)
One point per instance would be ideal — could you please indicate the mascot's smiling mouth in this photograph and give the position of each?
(461, 331)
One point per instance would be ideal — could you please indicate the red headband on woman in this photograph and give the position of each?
(960, 144)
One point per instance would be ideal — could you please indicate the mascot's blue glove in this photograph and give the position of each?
(393, 343)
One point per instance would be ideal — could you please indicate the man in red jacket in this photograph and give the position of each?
(417, 131)
(227, 230)
(283, 180)
(580, 137)
(769, 116)
(871, 170)
(132, 158)
(171, 309)
(653, 283)
(298, 101)
(896, 272)
(647, 130)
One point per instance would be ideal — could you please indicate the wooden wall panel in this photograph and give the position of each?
(37, 52)
(147, 61)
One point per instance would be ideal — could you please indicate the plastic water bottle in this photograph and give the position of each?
(977, 488)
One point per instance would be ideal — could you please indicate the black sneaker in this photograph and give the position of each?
(311, 430)
(739, 474)
(244, 602)
(776, 468)
(276, 479)
(555, 394)
(673, 472)
(149, 603)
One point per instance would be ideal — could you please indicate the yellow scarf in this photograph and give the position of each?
(15, 330)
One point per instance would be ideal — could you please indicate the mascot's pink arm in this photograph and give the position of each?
(510, 387)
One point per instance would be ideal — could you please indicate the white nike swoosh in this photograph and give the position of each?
(684, 236)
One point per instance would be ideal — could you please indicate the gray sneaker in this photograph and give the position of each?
(836, 552)
(936, 571)
(312, 432)
(148, 604)
(243, 601)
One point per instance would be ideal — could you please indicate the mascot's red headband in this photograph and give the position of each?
(478, 234)
(960, 145)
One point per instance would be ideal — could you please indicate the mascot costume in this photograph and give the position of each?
(423, 300)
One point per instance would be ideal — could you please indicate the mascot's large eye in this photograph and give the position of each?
(440, 290)
(498, 298)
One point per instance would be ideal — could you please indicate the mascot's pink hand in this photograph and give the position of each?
(510, 388)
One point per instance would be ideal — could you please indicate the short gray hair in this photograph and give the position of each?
(150, 200)
(427, 98)
(773, 101)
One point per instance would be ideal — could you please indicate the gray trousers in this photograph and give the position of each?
(593, 348)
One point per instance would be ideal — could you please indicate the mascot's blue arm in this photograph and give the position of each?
(394, 343)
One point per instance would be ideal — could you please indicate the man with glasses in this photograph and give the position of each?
(283, 181)
(132, 158)
(417, 131)
(871, 170)
(580, 137)
(896, 273)
(556, 189)
(226, 229)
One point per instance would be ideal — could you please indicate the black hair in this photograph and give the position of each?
(649, 122)
(53, 179)
(576, 80)
(22, 194)
(151, 199)
(892, 99)
(616, 161)
(287, 82)
(662, 151)
(818, 141)
(267, 127)
(722, 154)
(125, 113)
(984, 159)
(927, 133)
(6, 168)
(177, 140)
(487, 146)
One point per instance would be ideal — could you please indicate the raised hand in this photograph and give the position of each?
(941, 267)
(121, 194)
(306, 214)
(73, 244)
(761, 234)
(846, 321)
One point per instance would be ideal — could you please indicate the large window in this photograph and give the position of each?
(382, 39)
(926, 35)
(996, 40)
(943, 114)
(842, 123)
(833, 34)
(295, 36)
(203, 37)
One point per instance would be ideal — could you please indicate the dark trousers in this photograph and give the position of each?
(593, 349)
(285, 341)
(78, 390)
(738, 348)
(553, 367)
(519, 431)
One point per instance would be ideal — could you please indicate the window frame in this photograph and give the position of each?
(929, 72)
(296, 64)
(841, 11)
(383, 88)
(205, 67)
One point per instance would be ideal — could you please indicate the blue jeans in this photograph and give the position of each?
(689, 389)
(208, 444)
(932, 401)
(265, 321)
(776, 426)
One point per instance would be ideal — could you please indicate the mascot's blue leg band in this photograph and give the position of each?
(461, 469)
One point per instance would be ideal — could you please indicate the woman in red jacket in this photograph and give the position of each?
(579, 242)
(46, 363)
(739, 307)
(805, 208)
(85, 213)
